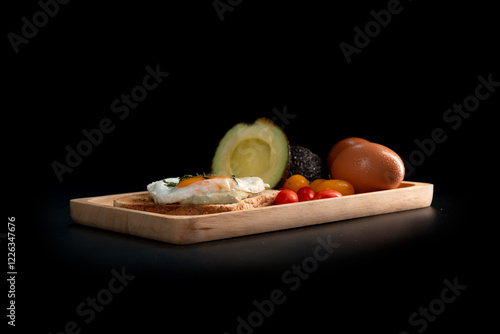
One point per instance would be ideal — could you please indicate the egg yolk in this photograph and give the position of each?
(191, 180)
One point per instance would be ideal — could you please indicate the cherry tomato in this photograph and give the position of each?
(316, 183)
(295, 182)
(344, 187)
(305, 194)
(286, 196)
(327, 193)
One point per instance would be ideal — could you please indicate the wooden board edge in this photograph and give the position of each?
(182, 230)
(205, 229)
(143, 224)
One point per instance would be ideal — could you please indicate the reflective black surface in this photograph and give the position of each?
(353, 275)
(426, 85)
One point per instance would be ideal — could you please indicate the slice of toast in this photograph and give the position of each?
(143, 202)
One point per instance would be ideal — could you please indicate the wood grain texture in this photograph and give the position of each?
(99, 212)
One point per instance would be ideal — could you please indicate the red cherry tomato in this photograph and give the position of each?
(327, 193)
(286, 196)
(305, 194)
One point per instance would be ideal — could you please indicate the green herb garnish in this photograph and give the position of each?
(205, 175)
(170, 184)
(187, 176)
(234, 178)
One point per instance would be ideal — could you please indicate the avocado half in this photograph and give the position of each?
(259, 149)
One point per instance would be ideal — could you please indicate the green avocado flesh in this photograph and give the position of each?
(251, 156)
(259, 149)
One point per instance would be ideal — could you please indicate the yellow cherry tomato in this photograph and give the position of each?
(315, 183)
(344, 187)
(295, 182)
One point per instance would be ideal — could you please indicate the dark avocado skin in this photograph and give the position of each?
(306, 163)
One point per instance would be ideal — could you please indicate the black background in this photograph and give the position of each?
(261, 57)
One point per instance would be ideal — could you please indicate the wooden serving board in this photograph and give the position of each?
(99, 212)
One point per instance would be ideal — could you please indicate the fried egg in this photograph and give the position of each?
(211, 189)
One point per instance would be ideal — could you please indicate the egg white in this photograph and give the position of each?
(160, 192)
